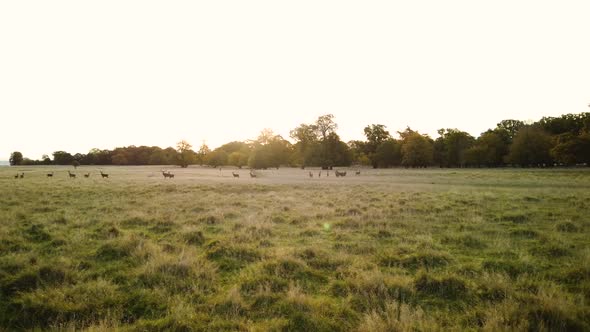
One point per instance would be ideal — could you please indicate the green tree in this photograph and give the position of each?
(62, 158)
(388, 154)
(531, 147)
(511, 126)
(575, 150)
(376, 134)
(16, 158)
(306, 139)
(489, 149)
(417, 149)
(450, 147)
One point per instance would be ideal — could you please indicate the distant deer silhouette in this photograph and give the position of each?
(50, 175)
(22, 175)
(236, 175)
(72, 175)
(252, 174)
(339, 174)
(167, 175)
(104, 175)
(16, 176)
(87, 175)
(310, 174)
(358, 172)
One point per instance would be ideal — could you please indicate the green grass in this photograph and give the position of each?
(388, 250)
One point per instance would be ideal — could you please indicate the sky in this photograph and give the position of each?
(76, 75)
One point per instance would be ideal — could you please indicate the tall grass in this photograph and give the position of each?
(391, 250)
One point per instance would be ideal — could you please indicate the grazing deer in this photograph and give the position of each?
(16, 176)
(104, 175)
(22, 175)
(358, 172)
(236, 175)
(252, 174)
(72, 175)
(87, 175)
(50, 175)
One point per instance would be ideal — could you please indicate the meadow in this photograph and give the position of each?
(387, 250)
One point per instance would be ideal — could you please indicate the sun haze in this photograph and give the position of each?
(79, 75)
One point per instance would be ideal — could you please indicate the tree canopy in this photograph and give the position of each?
(563, 140)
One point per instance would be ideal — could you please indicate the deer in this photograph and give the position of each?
(16, 176)
(339, 174)
(22, 175)
(87, 175)
(170, 175)
(358, 172)
(165, 174)
(252, 174)
(236, 175)
(72, 175)
(319, 174)
(310, 174)
(50, 175)
(104, 175)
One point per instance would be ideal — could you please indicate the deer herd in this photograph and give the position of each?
(169, 175)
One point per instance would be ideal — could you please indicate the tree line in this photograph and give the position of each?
(551, 141)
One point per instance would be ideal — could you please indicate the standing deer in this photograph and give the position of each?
(358, 172)
(22, 175)
(252, 174)
(16, 176)
(104, 175)
(339, 174)
(236, 175)
(87, 175)
(50, 175)
(72, 175)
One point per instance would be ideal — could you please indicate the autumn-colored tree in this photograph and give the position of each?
(186, 156)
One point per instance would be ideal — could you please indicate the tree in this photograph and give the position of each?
(325, 125)
(511, 126)
(388, 154)
(450, 147)
(45, 160)
(16, 158)
(376, 134)
(202, 154)
(531, 147)
(416, 149)
(216, 158)
(575, 150)
(306, 138)
(237, 159)
(185, 156)
(489, 149)
(269, 150)
(62, 158)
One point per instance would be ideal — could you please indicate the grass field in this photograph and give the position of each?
(387, 250)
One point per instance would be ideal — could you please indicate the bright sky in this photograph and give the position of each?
(75, 75)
